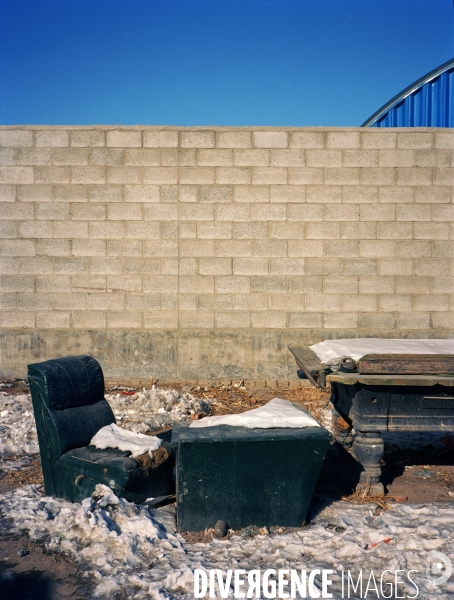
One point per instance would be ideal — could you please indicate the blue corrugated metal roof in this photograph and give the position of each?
(429, 102)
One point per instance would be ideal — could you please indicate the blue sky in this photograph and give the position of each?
(214, 62)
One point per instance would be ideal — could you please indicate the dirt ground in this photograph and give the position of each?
(409, 476)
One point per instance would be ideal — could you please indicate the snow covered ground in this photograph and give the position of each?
(122, 545)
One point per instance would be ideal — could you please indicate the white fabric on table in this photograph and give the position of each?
(277, 413)
(112, 436)
(356, 348)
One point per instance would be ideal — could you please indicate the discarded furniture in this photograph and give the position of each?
(69, 406)
(389, 392)
(246, 477)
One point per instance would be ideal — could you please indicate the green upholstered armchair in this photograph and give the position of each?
(69, 406)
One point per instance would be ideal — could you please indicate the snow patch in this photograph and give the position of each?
(112, 436)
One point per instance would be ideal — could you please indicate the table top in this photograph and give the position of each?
(403, 380)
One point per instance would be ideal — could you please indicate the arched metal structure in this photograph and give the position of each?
(429, 102)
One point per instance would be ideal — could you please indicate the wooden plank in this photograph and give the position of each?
(308, 362)
(413, 380)
(406, 364)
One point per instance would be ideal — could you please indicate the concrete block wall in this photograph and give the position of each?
(181, 252)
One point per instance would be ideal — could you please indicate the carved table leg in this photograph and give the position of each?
(369, 449)
(342, 429)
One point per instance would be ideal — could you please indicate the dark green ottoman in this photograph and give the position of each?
(245, 477)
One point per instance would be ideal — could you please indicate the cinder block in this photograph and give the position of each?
(394, 195)
(88, 247)
(53, 211)
(395, 302)
(321, 194)
(143, 301)
(251, 301)
(270, 139)
(12, 247)
(88, 139)
(414, 249)
(377, 249)
(71, 266)
(268, 212)
(395, 266)
(307, 139)
(198, 175)
(8, 229)
(251, 158)
(35, 229)
(103, 230)
(287, 231)
(70, 156)
(322, 231)
(434, 231)
(252, 193)
(71, 301)
(82, 283)
(323, 158)
(269, 319)
(236, 284)
(303, 248)
(232, 320)
(250, 230)
(442, 212)
(444, 140)
(287, 193)
(124, 247)
(413, 212)
(8, 301)
(272, 284)
(287, 266)
(90, 212)
(214, 230)
(346, 248)
(233, 175)
(215, 194)
(413, 320)
(343, 320)
(106, 156)
(396, 158)
(17, 174)
(324, 266)
(16, 138)
(160, 139)
(198, 139)
(16, 318)
(188, 301)
(234, 139)
(361, 158)
(108, 193)
(128, 283)
(340, 285)
(268, 248)
(188, 193)
(142, 266)
(70, 193)
(342, 176)
(188, 230)
(359, 266)
(360, 194)
(121, 175)
(443, 285)
(396, 231)
(340, 212)
(166, 284)
(142, 157)
(412, 285)
(88, 319)
(196, 248)
(377, 139)
(305, 212)
(70, 229)
(123, 139)
(304, 320)
(433, 158)
(443, 321)
(142, 193)
(33, 156)
(268, 175)
(361, 231)
(53, 247)
(126, 212)
(287, 302)
(215, 266)
(233, 212)
(378, 212)
(376, 285)
(16, 211)
(8, 193)
(250, 266)
(106, 301)
(376, 321)
(160, 319)
(378, 176)
(415, 140)
(87, 175)
(323, 302)
(53, 139)
(443, 176)
(142, 230)
(431, 302)
(288, 158)
(123, 319)
(160, 175)
(443, 249)
(160, 248)
(215, 158)
(169, 301)
(16, 283)
(196, 284)
(306, 284)
(197, 320)
(231, 248)
(196, 212)
(414, 176)
(433, 267)
(187, 157)
(169, 157)
(437, 195)
(342, 139)
(158, 212)
(303, 175)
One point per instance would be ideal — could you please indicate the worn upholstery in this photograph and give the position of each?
(69, 406)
